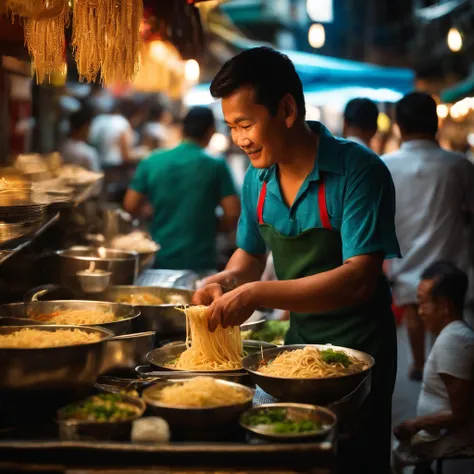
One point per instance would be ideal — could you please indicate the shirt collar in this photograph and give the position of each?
(327, 159)
(421, 144)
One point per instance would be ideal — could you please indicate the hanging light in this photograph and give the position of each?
(192, 71)
(442, 110)
(316, 35)
(454, 40)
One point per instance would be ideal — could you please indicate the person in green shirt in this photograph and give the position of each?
(325, 208)
(185, 186)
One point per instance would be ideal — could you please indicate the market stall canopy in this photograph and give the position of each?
(459, 91)
(316, 70)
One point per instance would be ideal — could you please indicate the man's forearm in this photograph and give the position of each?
(241, 268)
(440, 420)
(345, 286)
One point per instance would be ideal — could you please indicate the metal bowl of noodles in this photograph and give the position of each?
(194, 420)
(317, 390)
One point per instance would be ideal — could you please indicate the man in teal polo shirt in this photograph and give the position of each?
(325, 208)
(184, 186)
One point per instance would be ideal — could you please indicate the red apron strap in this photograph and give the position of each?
(261, 202)
(323, 209)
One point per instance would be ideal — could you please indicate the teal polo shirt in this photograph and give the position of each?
(360, 199)
(184, 185)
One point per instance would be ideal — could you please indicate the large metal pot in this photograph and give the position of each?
(124, 314)
(123, 265)
(165, 318)
(55, 368)
(317, 391)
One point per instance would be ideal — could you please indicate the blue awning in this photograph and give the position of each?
(316, 69)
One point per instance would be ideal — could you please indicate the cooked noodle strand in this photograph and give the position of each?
(205, 350)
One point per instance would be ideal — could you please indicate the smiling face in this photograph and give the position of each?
(258, 133)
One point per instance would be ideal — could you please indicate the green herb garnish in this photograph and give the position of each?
(100, 408)
(278, 421)
(330, 356)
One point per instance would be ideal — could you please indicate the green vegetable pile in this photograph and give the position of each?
(100, 408)
(273, 331)
(330, 356)
(278, 419)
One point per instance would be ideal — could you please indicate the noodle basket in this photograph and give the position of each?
(197, 420)
(317, 391)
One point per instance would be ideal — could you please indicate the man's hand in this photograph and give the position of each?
(207, 294)
(406, 430)
(231, 309)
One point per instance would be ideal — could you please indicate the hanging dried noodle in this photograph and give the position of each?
(24, 8)
(88, 36)
(120, 55)
(44, 37)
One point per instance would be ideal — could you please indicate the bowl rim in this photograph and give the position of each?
(294, 347)
(134, 310)
(138, 401)
(108, 335)
(305, 406)
(154, 403)
(130, 254)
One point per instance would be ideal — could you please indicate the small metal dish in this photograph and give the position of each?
(94, 282)
(296, 412)
(79, 430)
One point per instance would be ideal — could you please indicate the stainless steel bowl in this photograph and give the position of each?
(321, 391)
(94, 282)
(296, 412)
(77, 430)
(124, 314)
(161, 357)
(55, 368)
(165, 318)
(197, 419)
(124, 353)
(123, 265)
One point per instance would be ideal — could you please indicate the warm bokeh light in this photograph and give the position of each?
(192, 71)
(316, 35)
(442, 110)
(454, 40)
(383, 122)
(219, 143)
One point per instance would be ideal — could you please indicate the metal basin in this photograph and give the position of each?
(165, 318)
(55, 368)
(123, 265)
(196, 421)
(317, 391)
(124, 314)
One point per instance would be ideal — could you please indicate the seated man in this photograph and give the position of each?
(445, 421)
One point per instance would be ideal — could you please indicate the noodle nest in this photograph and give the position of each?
(37, 339)
(205, 350)
(201, 392)
(76, 317)
(309, 363)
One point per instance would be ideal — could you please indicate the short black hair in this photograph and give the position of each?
(271, 74)
(450, 282)
(81, 118)
(361, 113)
(197, 122)
(416, 113)
(157, 110)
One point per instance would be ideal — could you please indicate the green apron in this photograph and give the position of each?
(369, 328)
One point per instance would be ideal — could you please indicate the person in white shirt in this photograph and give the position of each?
(445, 417)
(113, 136)
(360, 121)
(434, 195)
(75, 149)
